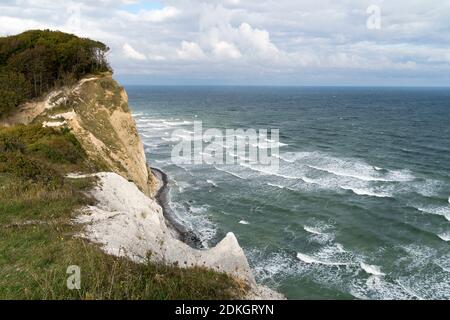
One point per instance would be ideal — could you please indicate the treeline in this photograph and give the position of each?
(34, 62)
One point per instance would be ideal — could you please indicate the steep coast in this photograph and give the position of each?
(131, 214)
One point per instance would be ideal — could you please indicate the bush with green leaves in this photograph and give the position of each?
(34, 62)
(33, 153)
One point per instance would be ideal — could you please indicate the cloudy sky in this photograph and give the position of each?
(267, 42)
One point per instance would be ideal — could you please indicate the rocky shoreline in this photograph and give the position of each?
(162, 197)
(131, 216)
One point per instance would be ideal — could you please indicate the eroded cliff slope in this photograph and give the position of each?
(126, 220)
(96, 110)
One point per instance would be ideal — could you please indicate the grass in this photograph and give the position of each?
(35, 258)
(39, 242)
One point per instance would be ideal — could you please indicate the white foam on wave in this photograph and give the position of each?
(311, 260)
(424, 279)
(244, 222)
(285, 159)
(443, 262)
(348, 167)
(340, 248)
(367, 174)
(279, 186)
(367, 192)
(378, 288)
(177, 123)
(427, 188)
(196, 219)
(266, 170)
(211, 182)
(266, 145)
(269, 267)
(184, 168)
(172, 139)
(444, 236)
(313, 230)
(372, 269)
(437, 210)
(230, 173)
(148, 120)
(327, 172)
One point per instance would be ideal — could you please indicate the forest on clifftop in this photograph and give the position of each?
(34, 62)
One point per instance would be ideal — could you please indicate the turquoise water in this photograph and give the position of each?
(360, 206)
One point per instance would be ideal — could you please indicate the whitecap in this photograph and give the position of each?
(176, 123)
(199, 209)
(311, 260)
(211, 182)
(341, 172)
(263, 170)
(279, 186)
(372, 269)
(230, 173)
(446, 269)
(340, 248)
(265, 145)
(244, 222)
(437, 210)
(313, 230)
(366, 192)
(283, 158)
(173, 139)
(444, 236)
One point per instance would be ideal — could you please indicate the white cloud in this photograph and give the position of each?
(132, 53)
(258, 41)
(235, 39)
(13, 25)
(159, 15)
(226, 50)
(190, 51)
(154, 15)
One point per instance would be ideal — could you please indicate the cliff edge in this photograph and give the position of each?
(96, 110)
(126, 220)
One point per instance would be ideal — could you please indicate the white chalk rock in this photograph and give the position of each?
(128, 223)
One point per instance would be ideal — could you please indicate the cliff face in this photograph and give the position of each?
(99, 116)
(126, 219)
(128, 223)
(96, 109)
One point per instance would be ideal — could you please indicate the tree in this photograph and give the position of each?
(38, 60)
(14, 90)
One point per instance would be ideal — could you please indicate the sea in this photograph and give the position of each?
(359, 207)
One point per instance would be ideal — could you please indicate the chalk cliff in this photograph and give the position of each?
(126, 219)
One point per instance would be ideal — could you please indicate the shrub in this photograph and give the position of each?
(9, 144)
(54, 144)
(34, 62)
(14, 90)
(19, 165)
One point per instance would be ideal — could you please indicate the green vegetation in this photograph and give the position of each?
(34, 62)
(38, 240)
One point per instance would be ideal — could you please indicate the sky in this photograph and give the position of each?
(255, 42)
